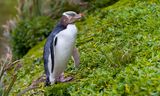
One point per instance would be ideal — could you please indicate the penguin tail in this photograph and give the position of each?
(48, 83)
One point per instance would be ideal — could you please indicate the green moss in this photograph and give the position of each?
(119, 52)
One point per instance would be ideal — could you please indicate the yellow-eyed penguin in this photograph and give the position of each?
(59, 47)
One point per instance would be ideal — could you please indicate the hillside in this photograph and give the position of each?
(119, 52)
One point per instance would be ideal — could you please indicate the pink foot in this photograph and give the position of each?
(66, 79)
(62, 79)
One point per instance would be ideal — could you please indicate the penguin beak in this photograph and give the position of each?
(79, 16)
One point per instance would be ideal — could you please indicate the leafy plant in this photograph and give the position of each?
(29, 32)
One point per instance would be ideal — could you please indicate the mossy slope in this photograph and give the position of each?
(119, 49)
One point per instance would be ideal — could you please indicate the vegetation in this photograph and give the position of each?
(8, 75)
(29, 32)
(119, 52)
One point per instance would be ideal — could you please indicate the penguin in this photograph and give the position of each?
(59, 47)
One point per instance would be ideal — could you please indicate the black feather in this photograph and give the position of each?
(55, 42)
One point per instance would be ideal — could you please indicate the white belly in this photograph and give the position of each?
(63, 49)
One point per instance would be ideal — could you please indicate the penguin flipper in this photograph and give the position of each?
(75, 55)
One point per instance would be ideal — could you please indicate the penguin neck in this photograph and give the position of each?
(70, 25)
(59, 27)
(60, 24)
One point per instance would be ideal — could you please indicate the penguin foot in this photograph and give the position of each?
(63, 79)
(66, 79)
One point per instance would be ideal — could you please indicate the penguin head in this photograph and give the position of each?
(70, 17)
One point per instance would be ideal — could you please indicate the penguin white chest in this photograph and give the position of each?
(64, 47)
